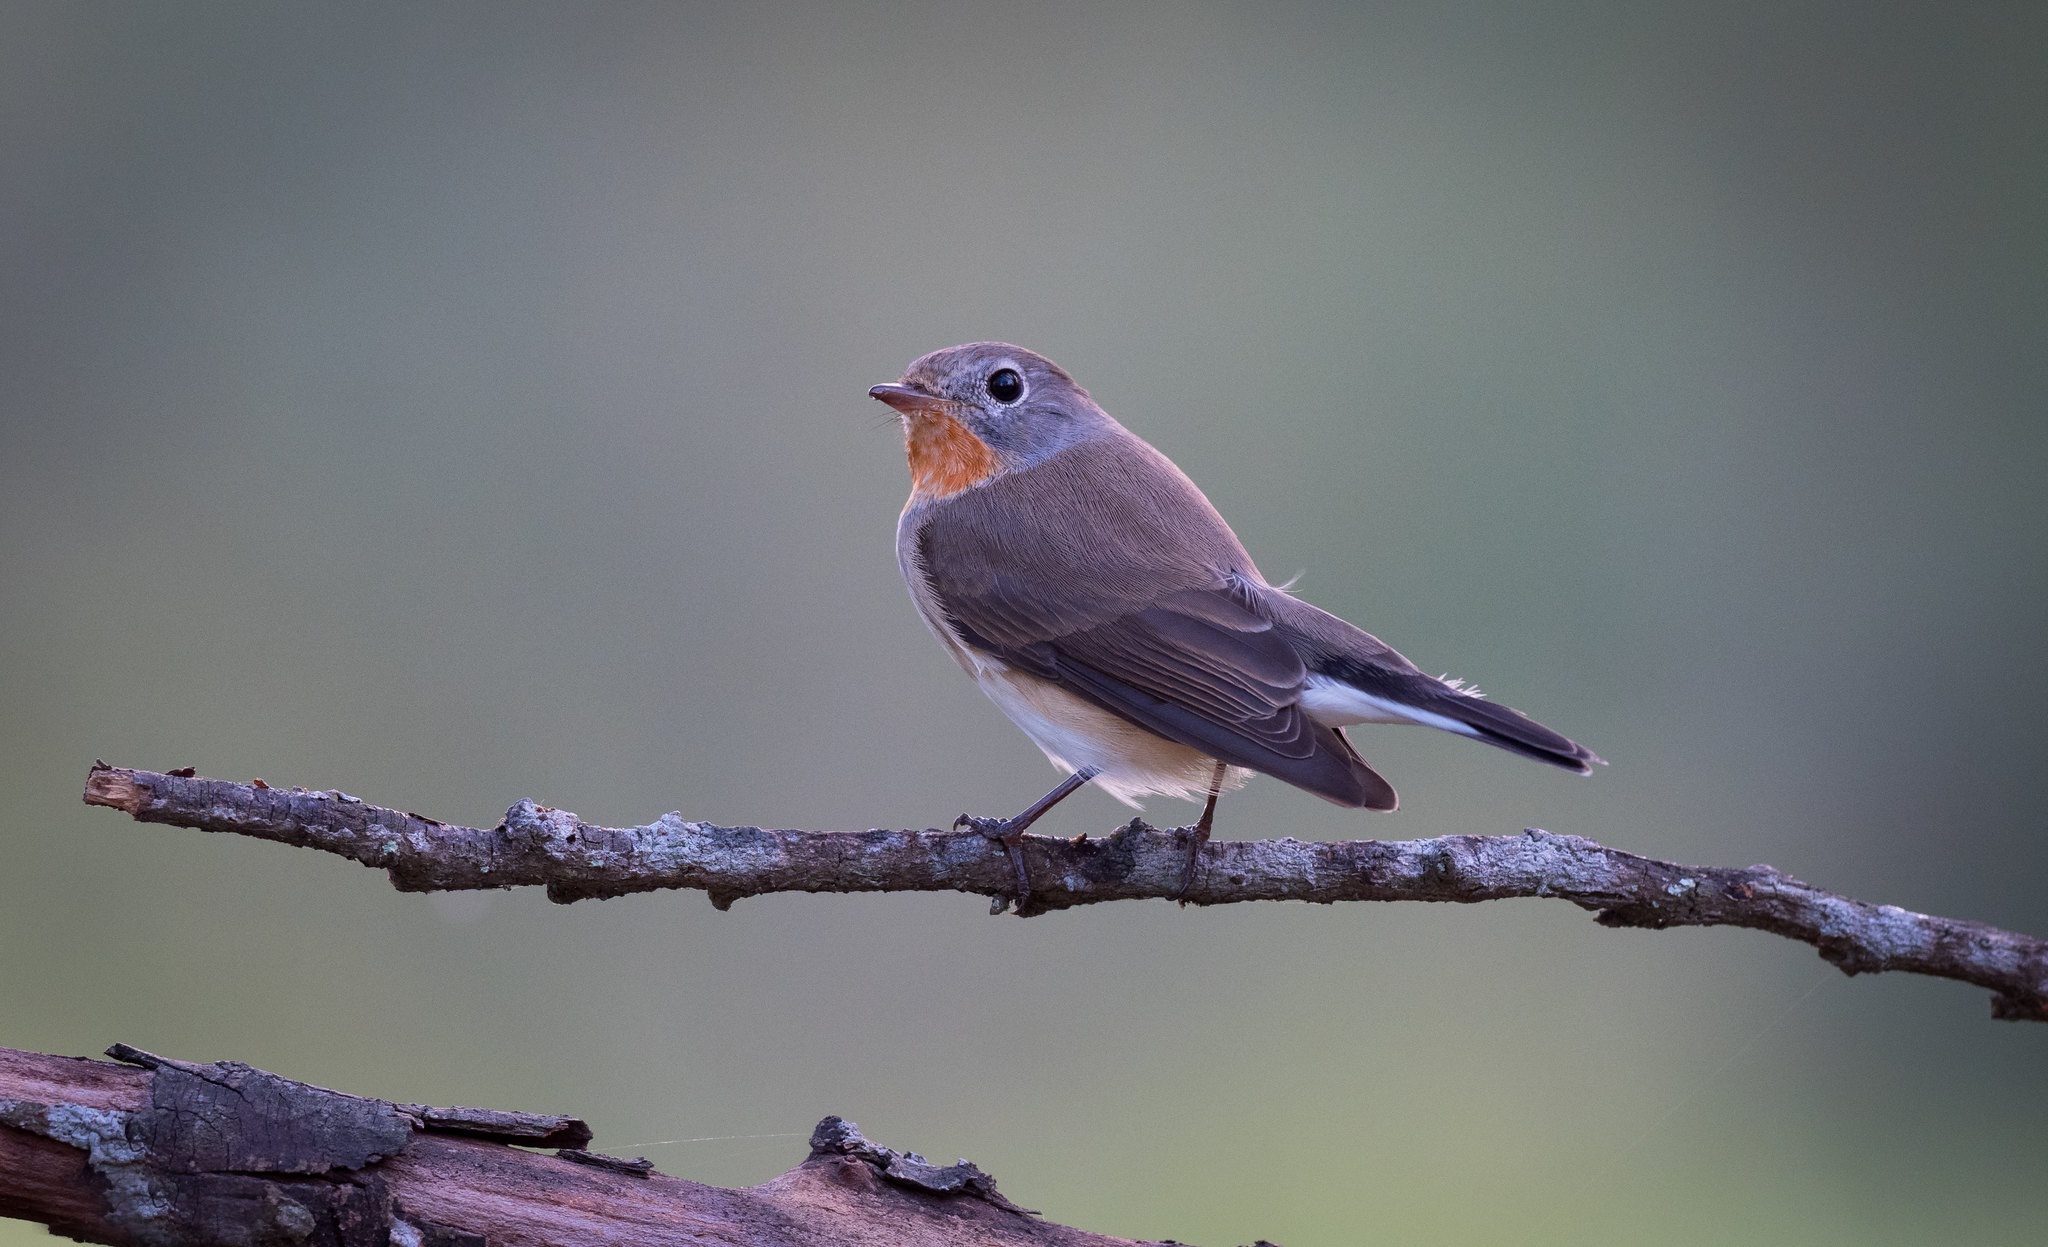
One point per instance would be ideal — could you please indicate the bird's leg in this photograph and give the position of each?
(1009, 832)
(1202, 826)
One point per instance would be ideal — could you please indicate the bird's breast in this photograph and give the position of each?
(945, 456)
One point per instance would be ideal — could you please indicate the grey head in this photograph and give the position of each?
(1021, 405)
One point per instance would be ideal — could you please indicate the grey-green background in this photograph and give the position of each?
(456, 404)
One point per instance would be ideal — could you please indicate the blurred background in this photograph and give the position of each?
(461, 403)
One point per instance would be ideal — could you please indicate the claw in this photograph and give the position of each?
(1009, 832)
(1200, 836)
(993, 828)
(1003, 831)
(1013, 848)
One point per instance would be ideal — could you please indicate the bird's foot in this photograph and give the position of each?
(1006, 832)
(1198, 836)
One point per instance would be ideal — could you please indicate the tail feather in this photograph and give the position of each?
(1359, 678)
(1513, 731)
(1418, 698)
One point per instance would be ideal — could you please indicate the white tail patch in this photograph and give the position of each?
(1333, 703)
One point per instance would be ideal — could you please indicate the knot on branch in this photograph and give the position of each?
(532, 827)
(1853, 959)
(835, 1136)
(2019, 1008)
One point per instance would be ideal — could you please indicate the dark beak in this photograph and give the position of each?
(903, 398)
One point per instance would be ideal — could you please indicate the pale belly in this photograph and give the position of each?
(1074, 734)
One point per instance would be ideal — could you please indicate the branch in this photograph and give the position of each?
(575, 860)
(164, 1153)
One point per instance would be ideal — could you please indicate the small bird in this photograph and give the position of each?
(1097, 597)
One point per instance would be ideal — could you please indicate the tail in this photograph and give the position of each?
(1354, 677)
(1378, 693)
(1503, 728)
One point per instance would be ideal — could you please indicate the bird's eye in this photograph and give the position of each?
(1005, 386)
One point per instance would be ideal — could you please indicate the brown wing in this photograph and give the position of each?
(1110, 575)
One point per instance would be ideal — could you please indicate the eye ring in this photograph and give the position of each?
(1006, 386)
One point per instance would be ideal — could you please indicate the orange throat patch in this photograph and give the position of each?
(945, 457)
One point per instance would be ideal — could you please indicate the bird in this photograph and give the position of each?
(1097, 597)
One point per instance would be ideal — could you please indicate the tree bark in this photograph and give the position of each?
(574, 860)
(164, 1153)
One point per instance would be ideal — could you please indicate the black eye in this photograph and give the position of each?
(1005, 386)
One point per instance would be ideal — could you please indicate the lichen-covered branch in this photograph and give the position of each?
(574, 860)
(164, 1153)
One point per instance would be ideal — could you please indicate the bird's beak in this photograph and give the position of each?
(905, 399)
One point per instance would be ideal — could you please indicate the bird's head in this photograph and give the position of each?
(971, 413)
